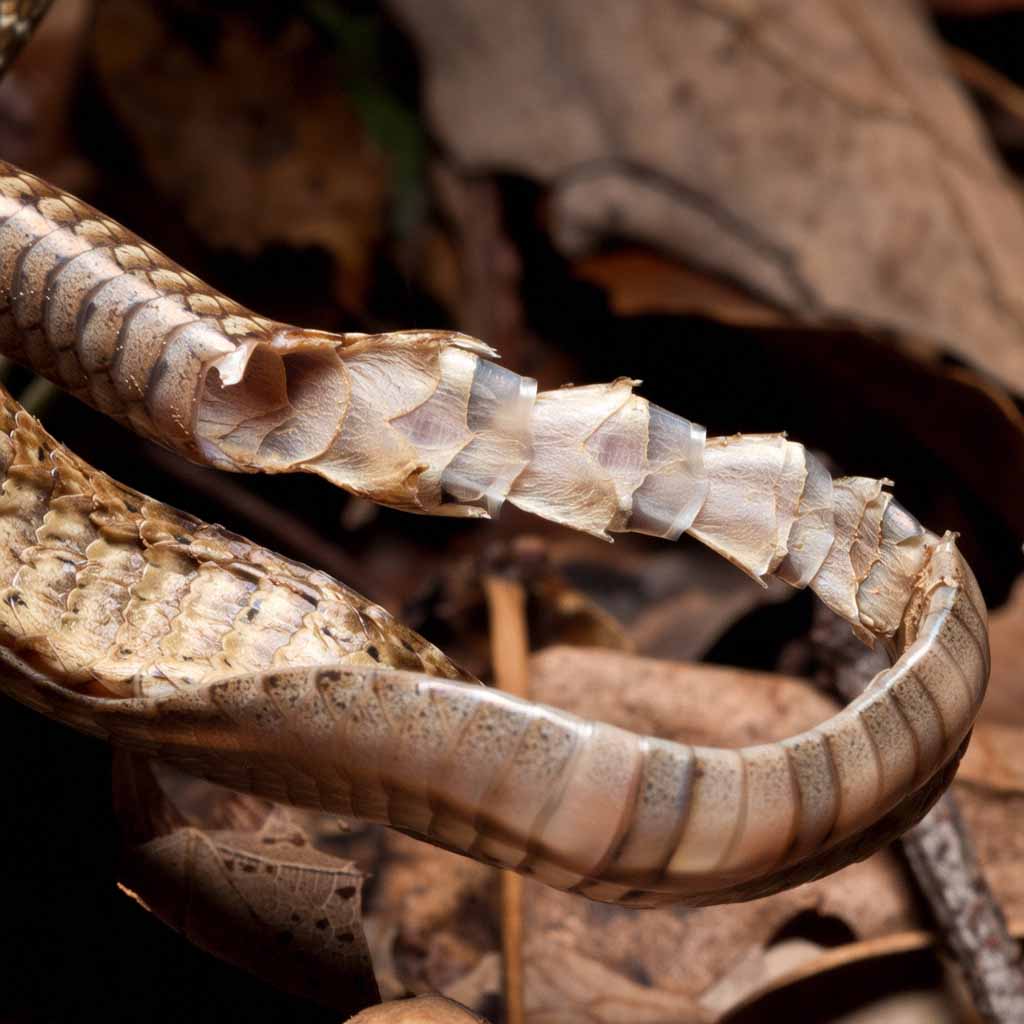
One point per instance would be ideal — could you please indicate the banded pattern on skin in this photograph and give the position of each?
(101, 313)
(582, 805)
(184, 641)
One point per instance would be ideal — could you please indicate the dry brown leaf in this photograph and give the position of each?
(639, 281)
(421, 1010)
(254, 139)
(993, 760)
(990, 788)
(257, 894)
(1004, 702)
(899, 981)
(821, 155)
(266, 902)
(703, 704)
(36, 97)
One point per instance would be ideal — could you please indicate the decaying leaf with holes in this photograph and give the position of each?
(258, 895)
(267, 902)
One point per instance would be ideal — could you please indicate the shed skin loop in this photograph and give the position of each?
(130, 620)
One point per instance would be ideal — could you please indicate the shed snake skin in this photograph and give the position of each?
(140, 624)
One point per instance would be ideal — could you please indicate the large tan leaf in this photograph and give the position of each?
(820, 154)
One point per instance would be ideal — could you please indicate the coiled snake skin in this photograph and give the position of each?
(140, 624)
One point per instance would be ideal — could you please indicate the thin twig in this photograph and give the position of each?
(983, 78)
(941, 855)
(510, 653)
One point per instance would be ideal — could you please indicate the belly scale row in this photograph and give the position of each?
(189, 643)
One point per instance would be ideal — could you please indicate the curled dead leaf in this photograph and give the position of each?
(640, 281)
(881, 982)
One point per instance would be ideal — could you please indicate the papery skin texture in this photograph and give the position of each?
(183, 641)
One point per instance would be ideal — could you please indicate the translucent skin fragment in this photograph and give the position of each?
(125, 618)
(813, 532)
(675, 487)
(499, 417)
(420, 420)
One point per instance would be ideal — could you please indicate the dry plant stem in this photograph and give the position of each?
(972, 923)
(942, 858)
(510, 653)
